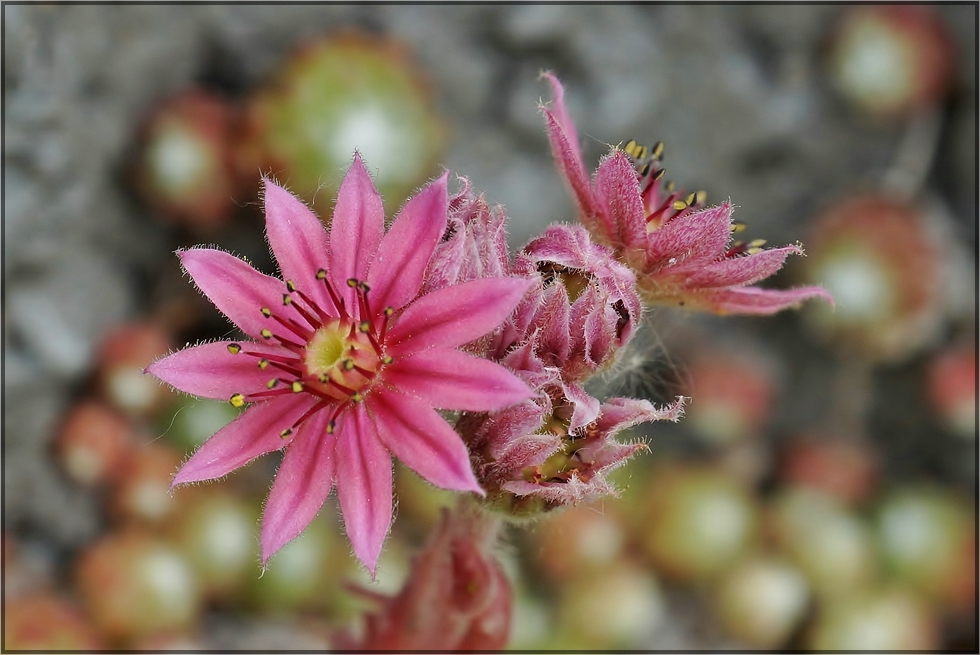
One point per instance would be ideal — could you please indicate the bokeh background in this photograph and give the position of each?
(821, 492)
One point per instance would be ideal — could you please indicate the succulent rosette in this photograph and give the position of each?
(345, 362)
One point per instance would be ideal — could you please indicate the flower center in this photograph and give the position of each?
(341, 353)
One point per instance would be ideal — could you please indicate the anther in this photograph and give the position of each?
(364, 327)
(701, 196)
(238, 400)
(321, 274)
(658, 150)
(356, 397)
(331, 427)
(290, 286)
(659, 174)
(297, 386)
(757, 243)
(263, 363)
(670, 186)
(271, 384)
(738, 227)
(352, 283)
(348, 364)
(691, 198)
(287, 299)
(266, 333)
(285, 433)
(387, 359)
(323, 378)
(678, 205)
(266, 312)
(234, 348)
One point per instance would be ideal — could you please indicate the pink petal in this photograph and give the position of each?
(565, 149)
(236, 289)
(211, 371)
(302, 483)
(450, 379)
(397, 271)
(758, 301)
(363, 485)
(422, 439)
(456, 315)
(356, 230)
(255, 432)
(741, 270)
(298, 240)
(694, 237)
(585, 408)
(618, 188)
(552, 322)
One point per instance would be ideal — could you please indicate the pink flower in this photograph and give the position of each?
(346, 362)
(681, 256)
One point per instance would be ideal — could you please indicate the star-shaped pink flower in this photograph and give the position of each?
(681, 255)
(347, 363)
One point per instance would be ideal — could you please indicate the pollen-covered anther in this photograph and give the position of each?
(285, 433)
(271, 384)
(321, 274)
(237, 400)
(287, 299)
(234, 348)
(266, 312)
(266, 333)
(290, 286)
(263, 364)
(348, 364)
(387, 359)
(297, 386)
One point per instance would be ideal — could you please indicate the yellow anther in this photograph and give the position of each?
(389, 311)
(352, 283)
(738, 227)
(679, 205)
(266, 333)
(670, 187)
(357, 397)
(287, 299)
(387, 359)
(238, 400)
(272, 383)
(331, 427)
(364, 327)
(323, 378)
(234, 348)
(701, 196)
(266, 312)
(691, 198)
(285, 433)
(658, 150)
(754, 251)
(297, 386)
(659, 174)
(321, 274)
(263, 363)
(757, 243)
(290, 286)
(348, 364)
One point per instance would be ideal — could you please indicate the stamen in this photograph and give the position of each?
(297, 386)
(263, 364)
(387, 359)
(266, 312)
(285, 433)
(234, 348)
(237, 400)
(337, 301)
(290, 286)
(384, 324)
(271, 384)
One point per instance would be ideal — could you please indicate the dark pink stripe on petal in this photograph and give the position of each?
(303, 482)
(397, 271)
(254, 433)
(356, 230)
(236, 289)
(363, 485)
(298, 239)
(456, 315)
(422, 439)
(450, 379)
(211, 371)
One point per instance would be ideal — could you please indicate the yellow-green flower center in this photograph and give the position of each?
(340, 352)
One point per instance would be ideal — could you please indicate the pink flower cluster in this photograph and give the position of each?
(347, 356)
